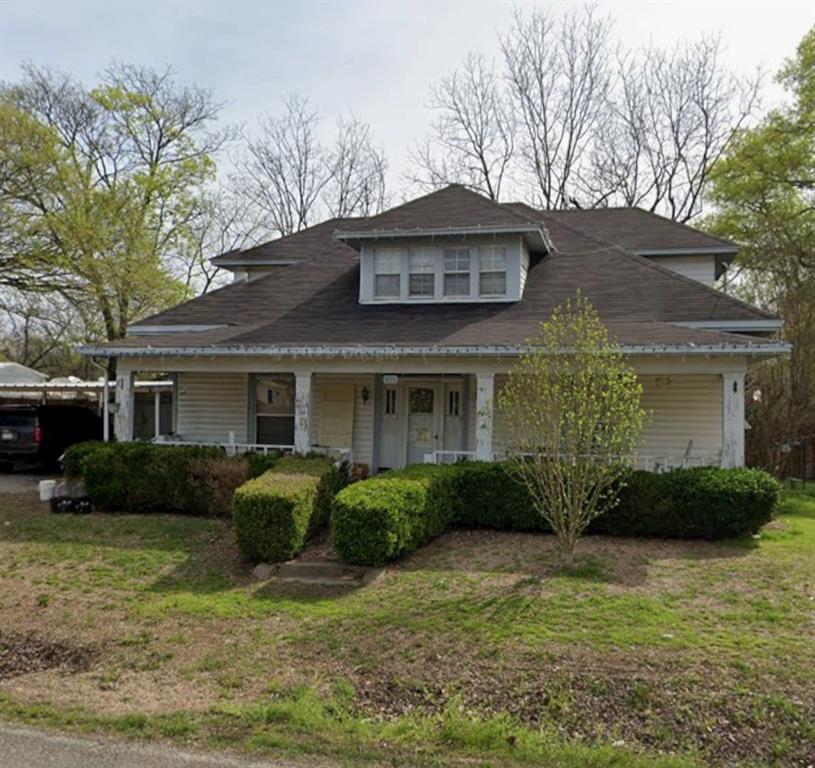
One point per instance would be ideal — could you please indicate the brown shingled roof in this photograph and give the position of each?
(315, 302)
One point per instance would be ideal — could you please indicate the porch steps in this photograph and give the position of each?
(326, 573)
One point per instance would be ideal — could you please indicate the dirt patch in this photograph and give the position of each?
(663, 703)
(24, 653)
(319, 549)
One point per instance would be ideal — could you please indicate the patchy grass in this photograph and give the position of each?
(482, 646)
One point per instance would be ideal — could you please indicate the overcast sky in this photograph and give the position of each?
(375, 59)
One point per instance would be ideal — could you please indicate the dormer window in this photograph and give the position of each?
(387, 273)
(421, 273)
(457, 272)
(492, 277)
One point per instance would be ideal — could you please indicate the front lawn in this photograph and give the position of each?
(481, 649)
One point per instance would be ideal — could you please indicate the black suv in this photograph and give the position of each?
(39, 434)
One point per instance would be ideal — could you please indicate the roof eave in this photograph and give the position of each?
(379, 352)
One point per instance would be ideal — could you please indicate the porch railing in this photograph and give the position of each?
(233, 448)
(448, 457)
(648, 463)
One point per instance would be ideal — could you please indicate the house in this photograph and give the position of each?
(389, 336)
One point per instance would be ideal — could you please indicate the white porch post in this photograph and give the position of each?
(123, 422)
(485, 389)
(157, 413)
(733, 420)
(302, 411)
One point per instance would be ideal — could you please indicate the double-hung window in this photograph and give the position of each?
(492, 277)
(274, 409)
(457, 272)
(421, 273)
(387, 273)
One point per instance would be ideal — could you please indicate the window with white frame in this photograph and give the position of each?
(492, 277)
(457, 272)
(387, 273)
(421, 273)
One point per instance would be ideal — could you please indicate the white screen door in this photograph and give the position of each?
(421, 423)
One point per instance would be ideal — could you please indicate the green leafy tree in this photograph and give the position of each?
(764, 190)
(97, 188)
(571, 408)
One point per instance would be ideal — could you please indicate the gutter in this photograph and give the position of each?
(739, 326)
(718, 249)
(363, 352)
(374, 234)
(152, 330)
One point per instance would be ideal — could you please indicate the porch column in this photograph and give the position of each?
(302, 412)
(485, 388)
(733, 420)
(123, 421)
(157, 414)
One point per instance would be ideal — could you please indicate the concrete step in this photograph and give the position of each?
(323, 572)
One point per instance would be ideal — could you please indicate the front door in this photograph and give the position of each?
(422, 428)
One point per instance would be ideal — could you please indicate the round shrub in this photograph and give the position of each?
(272, 514)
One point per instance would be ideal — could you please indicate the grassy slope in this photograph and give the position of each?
(482, 644)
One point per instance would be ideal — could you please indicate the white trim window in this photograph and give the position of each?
(388, 273)
(492, 276)
(456, 271)
(421, 273)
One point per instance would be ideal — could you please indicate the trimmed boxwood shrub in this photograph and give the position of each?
(381, 519)
(487, 496)
(698, 503)
(377, 520)
(272, 515)
(141, 477)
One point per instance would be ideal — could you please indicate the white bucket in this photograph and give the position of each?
(47, 488)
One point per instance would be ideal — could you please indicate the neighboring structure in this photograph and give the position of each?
(390, 336)
(14, 373)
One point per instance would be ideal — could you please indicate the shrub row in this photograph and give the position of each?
(276, 513)
(378, 520)
(145, 477)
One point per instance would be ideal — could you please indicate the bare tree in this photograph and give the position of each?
(294, 180)
(671, 115)
(41, 332)
(560, 77)
(472, 141)
(284, 170)
(357, 172)
(223, 224)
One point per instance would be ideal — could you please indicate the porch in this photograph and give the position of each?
(386, 420)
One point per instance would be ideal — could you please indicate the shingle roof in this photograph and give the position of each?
(634, 229)
(315, 302)
(451, 207)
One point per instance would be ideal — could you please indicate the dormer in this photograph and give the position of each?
(452, 246)
(430, 267)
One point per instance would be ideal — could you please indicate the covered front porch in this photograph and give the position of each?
(384, 414)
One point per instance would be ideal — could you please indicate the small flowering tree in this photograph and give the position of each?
(571, 410)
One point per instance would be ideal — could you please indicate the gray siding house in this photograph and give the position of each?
(387, 338)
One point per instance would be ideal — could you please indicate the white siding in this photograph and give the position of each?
(682, 409)
(524, 265)
(363, 435)
(700, 268)
(211, 405)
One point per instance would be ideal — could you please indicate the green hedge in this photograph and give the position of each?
(377, 520)
(698, 503)
(381, 519)
(141, 477)
(272, 514)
